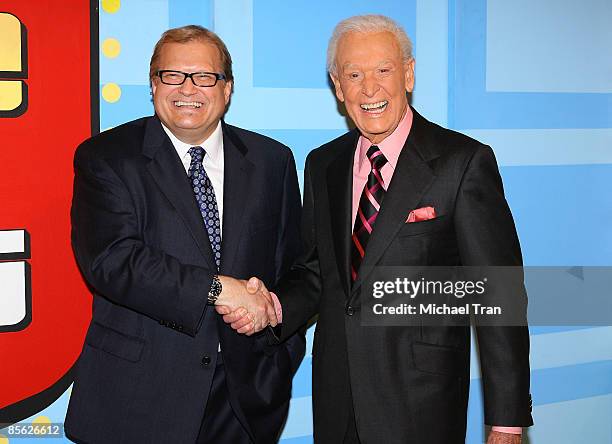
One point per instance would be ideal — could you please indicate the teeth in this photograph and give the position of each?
(194, 104)
(371, 106)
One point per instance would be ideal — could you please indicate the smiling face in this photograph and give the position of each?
(190, 112)
(372, 80)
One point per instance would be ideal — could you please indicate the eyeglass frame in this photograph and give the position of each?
(186, 75)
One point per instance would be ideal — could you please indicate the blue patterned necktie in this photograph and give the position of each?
(205, 197)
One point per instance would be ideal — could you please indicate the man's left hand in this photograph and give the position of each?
(503, 438)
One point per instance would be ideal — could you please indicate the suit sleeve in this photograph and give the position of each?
(487, 237)
(288, 244)
(300, 289)
(114, 258)
(288, 248)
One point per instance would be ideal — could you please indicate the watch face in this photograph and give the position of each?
(216, 285)
(215, 290)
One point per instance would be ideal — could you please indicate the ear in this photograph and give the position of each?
(153, 86)
(227, 91)
(339, 93)
(409, 75)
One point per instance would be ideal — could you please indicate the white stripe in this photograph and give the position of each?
(548, 146)
(562, 349)
(12, 241)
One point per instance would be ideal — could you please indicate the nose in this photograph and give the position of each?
(188, 88)
(369, 86)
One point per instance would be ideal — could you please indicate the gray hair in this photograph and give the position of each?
(367, 24)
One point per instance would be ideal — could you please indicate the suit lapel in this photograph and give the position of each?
(411, 178)
(169, 174)
(340, 189)
(236, 179)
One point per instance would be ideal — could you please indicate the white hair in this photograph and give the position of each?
(367, 24)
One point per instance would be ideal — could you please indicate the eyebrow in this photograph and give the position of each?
(356, 66)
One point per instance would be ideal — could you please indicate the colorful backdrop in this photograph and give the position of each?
(532, 79)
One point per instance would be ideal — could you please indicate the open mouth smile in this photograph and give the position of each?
(375, 108)
(180, 104)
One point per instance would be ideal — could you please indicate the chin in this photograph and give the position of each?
(377, 131)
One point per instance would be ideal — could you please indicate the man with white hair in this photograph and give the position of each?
(398, 191)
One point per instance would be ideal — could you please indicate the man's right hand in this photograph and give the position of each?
(249, 299)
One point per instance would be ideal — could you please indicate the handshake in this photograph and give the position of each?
(246, 305)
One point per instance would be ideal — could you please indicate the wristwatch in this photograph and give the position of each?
(215, 290)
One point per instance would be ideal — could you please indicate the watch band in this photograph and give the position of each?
(215, 290)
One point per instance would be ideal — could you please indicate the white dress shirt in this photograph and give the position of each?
(213, 162)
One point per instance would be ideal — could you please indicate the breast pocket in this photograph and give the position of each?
(439, 223)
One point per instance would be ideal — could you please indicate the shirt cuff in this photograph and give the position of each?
(513, 430)
(278, 308)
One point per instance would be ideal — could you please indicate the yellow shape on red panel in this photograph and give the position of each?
(111, 6)
(11, 94)
(111, 47)
(111, 92)
(13, 67)
(10, 43)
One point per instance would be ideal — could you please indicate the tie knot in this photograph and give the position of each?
(197, 153)
(376, 157)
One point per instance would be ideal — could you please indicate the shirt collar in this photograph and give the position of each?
(213, 145)
(391, 146)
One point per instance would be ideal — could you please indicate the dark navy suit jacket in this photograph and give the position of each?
(146, 368)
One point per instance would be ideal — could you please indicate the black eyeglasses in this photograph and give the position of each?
(207, 79)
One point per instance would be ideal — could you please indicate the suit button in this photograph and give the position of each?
(206, 360)
(350, 311)
(179, 327)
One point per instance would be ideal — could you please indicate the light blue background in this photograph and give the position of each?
(532, 79)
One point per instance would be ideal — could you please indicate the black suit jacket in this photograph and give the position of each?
(407, 384)
(146, 368)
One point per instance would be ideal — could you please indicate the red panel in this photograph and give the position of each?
(36, 151)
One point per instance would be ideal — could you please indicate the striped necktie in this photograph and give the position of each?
(369, 206)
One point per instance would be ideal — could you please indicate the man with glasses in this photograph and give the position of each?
(165, 210)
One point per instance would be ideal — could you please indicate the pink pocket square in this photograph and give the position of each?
(421, 214)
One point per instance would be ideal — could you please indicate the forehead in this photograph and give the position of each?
(191, 54)
(370, 48)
